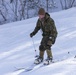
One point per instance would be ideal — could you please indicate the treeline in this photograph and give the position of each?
(17, 10)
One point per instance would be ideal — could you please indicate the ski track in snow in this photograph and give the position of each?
(16, 47)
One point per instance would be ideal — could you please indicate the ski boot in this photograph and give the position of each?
(38, 60)
(48, 61)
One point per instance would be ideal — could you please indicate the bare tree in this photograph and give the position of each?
(66, 4)
(16, 9)
(61, 4)
(3, 10)
(11, 1)
(3, 15)
(72, 3)
(22, 10)
(47, 5)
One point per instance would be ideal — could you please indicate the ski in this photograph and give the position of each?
(31, 67)
(39, 66)
(34, 67)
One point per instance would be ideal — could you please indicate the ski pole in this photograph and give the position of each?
(34, 48)
(69, 53)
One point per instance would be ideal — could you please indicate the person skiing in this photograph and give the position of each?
(49, 33)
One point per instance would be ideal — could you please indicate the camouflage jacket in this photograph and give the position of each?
(47, 26)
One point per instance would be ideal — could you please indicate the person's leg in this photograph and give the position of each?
(46, 44)
(49, 52)
(48, 48)
(41, 52)
(40, 58)
(42, 48)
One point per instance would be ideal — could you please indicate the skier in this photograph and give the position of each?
(49, 33)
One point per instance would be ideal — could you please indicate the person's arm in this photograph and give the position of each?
(53, 30)
(37, 28)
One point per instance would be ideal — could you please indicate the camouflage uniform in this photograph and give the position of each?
(49, 34)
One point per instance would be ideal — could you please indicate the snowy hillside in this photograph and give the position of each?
(16, 47)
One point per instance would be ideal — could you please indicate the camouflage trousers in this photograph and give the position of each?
(46, 44)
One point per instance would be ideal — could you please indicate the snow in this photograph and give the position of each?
(16, 47)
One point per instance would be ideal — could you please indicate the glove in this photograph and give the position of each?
(52, 39)
(31, 34)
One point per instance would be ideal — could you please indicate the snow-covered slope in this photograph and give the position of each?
(16, 47)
